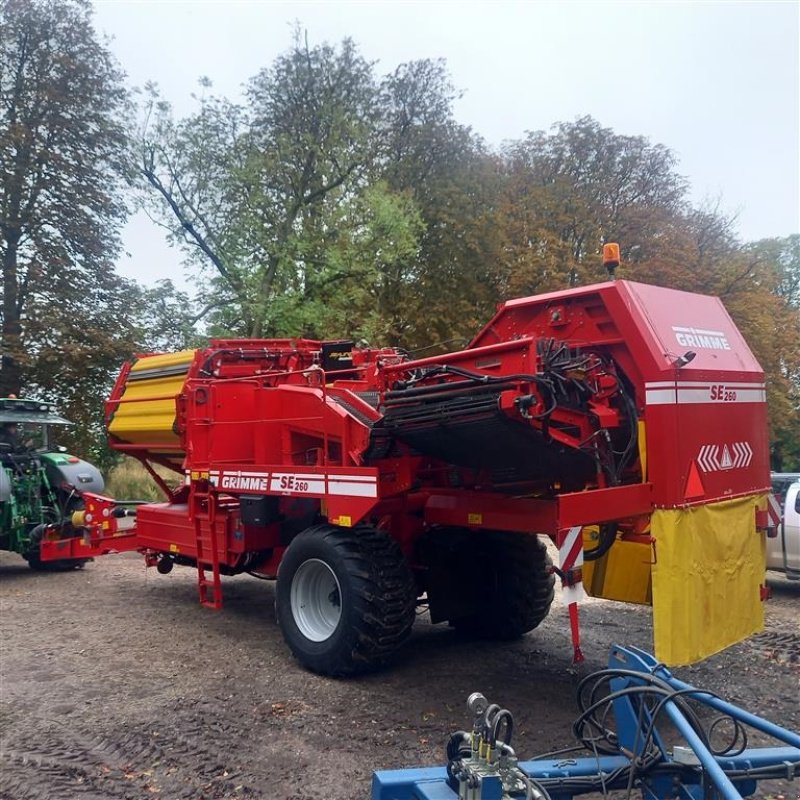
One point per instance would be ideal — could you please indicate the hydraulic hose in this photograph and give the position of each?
(458, 746)
(608, 535)
(502, 720)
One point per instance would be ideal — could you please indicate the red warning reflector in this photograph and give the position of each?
(694, 485)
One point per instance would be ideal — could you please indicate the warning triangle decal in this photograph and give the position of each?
(726, 462)
(694, 485)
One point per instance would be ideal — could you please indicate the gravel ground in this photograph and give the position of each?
(117, 684)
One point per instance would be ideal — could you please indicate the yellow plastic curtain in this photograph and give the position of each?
(709, 567)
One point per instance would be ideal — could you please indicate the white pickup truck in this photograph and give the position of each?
(783, 551)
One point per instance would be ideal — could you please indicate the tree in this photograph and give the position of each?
(778, 306)
(192, 183)
(571, 190)
(257, 192)
(783, 256)
(77, 345)
(450, 286)
(331, 203)
(165, 319)
(64, 321)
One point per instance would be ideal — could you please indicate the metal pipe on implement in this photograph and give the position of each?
(759, 723)
(721, 781)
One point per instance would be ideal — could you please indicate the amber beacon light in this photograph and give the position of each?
(611, 258)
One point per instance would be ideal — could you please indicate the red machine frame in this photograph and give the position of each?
(267, 419)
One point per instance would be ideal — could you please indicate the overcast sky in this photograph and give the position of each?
(717, 82)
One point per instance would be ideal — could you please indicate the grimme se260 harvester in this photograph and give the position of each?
(626, 422)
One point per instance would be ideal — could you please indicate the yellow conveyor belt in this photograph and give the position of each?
(146, 413)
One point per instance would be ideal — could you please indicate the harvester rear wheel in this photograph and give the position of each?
(517, 586)
(345, 598)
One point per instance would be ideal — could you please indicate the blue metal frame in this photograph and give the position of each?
(727, 774)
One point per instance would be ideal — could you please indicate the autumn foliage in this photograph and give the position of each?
(334, 201)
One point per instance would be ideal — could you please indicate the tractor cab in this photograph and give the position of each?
(27, 428)
(40, 483)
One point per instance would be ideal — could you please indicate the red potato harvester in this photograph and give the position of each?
(626, 422)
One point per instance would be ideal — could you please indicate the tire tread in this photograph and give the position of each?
(383, 598)
(528, 588)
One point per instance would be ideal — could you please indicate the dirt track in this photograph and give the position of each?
(116, 684)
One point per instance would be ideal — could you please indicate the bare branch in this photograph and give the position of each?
(191, 230)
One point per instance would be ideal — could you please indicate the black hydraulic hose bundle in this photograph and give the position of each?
(551, 381)
(633, 439)
(653, 694)
(655, 688)
(502, 721)
(458, 746)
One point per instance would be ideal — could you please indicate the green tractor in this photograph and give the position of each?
(40, 484)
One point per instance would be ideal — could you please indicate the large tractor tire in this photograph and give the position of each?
(517, 588)
(345, 598)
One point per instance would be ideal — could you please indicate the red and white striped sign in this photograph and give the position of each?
(293, 483)
(774, 511)
(570, 557)
(659, 393)
(570, 551)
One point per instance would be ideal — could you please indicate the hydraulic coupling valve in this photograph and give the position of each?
(482, 764)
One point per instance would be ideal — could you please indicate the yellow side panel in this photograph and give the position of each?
(709, 567)
(622, 574)
(642, 442)
(140, 419)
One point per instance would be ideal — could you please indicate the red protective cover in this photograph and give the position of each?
(699, 388)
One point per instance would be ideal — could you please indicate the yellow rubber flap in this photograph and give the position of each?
(710, 565)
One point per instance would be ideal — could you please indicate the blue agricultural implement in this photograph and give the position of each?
(642, 729)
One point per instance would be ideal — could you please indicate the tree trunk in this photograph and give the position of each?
(264, 289)
(11, 371)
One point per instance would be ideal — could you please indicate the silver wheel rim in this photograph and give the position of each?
(316, 600)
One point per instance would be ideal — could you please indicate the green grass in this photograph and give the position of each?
(129, 480)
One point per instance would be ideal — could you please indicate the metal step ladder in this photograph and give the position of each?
(209, 582)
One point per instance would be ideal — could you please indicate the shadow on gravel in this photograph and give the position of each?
(19, 570)
(782, 586)
(15, 571)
